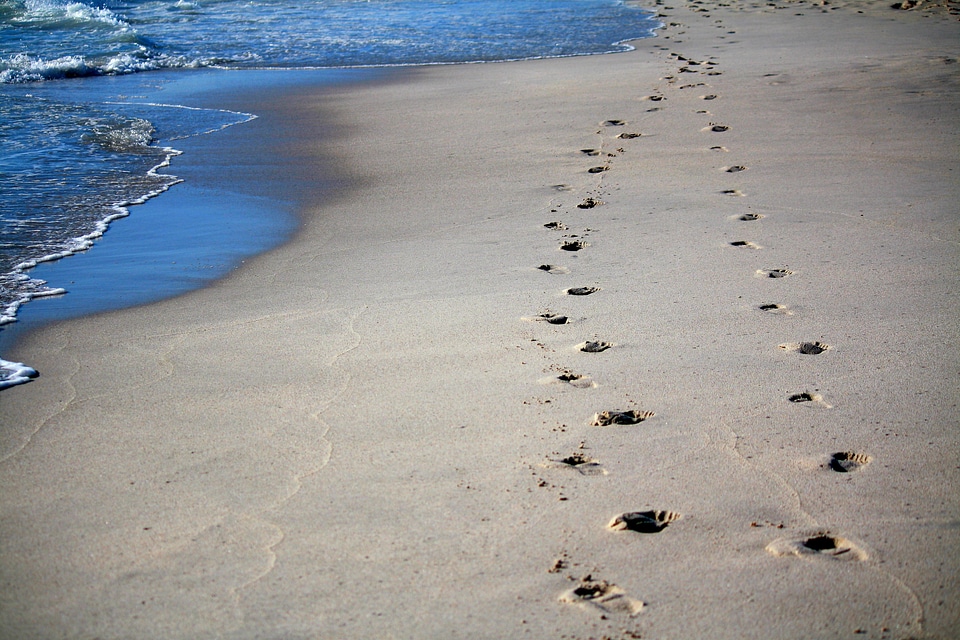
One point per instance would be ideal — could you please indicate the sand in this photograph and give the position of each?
(388, 427)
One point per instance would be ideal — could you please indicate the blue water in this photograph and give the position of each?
(79, 151)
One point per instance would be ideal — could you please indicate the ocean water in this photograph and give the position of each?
(79, 151)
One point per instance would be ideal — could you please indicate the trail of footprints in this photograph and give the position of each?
(598, 595)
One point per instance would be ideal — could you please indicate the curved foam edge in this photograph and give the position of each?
(14, 373)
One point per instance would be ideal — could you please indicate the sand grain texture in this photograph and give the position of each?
(347, 437)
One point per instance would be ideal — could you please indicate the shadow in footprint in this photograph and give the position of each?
(573, 245)
(589, 203)
(579, 463)
(597, 169)
(607, 418)
(746, 244)
(553, 268)
(595, 346)
(582, 291)
(820, 543)
(551, 318)
(602, 597)
(750, 217)
(849, 461)
(774, 273)
(805, 348)
(556, 226)
(573, 379)
(643, 521)
(806, 396)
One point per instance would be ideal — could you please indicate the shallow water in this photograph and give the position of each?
(91, 129)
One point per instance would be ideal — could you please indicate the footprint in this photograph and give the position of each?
(552, 268)
(614, 123)
(737, 168)
(607, 418)
(733, 192)
(573, 379)
(806, 396)
(589, 203)
(806, 348)
(654, 98)
(719, 148)
(550, 318)
(573, 245)
(590, 152)
(716, 128)
(849, 461)
(629, 136)
(597, 169)
(594, 347)
(578, 462)
(582, 291)
(710, 97)
(603, 597)
(775, 309)
(750, 217)
(820, 543)
(774, 273)
(643, 521)
(556, 226)
(576, 380)
(746, 244)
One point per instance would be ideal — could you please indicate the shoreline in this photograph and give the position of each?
(231, 213)
(401, 442)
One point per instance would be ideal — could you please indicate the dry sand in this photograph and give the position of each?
(395, 444)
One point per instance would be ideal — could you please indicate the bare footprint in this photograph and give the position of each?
(737, 168)
(745, 244)
(643, 521)
(594, 346)
(597, 169)
(749, 217)
(733, 192)
(551, 318)
(849, 461)
(710, 97)
(819, 543)
(589, 203)
(573, 245)
(602, 597)
(805, 348)
(570, 378)
(581, 291)
(590, 152)
(629, 136)
(552, 268)
(556, 226)
(774, 273)
(614, 123)
(607, 418)
(578, 462)
(776, 309)
(716, 128)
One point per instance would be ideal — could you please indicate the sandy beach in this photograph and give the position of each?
(661, 344)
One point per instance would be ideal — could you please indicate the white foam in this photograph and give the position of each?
(14, 373)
